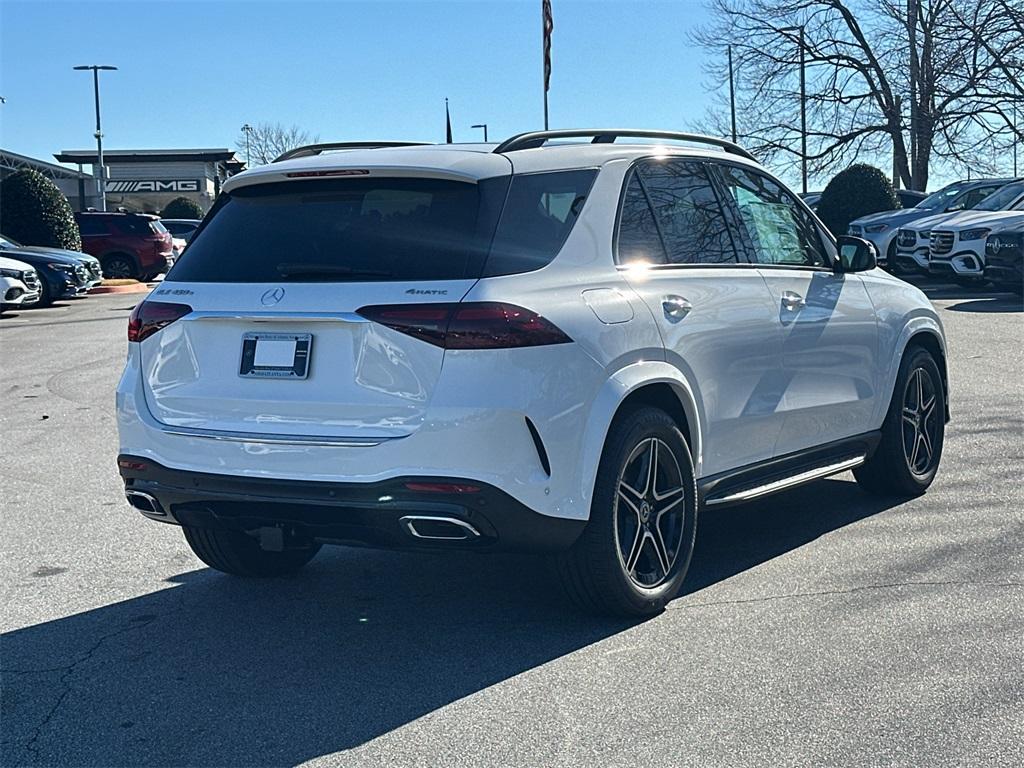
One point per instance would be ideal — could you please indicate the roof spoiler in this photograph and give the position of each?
(534, 139)
(316, 149)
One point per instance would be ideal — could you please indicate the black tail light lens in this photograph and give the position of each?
(148, 317)
(474, 325)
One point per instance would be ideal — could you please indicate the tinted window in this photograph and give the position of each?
(1002, 199)
(91, 225)
(639, 239)
(688, 213)
(340, 230)
(972, 197)
(779, 229)
(939, 200)
(539, 213)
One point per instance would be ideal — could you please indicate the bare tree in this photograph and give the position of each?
(924, 80)
(267, 141)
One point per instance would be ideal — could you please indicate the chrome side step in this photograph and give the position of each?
(788, 482)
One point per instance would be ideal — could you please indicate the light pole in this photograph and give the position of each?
(803, 103)
(247, 129)
(99, 133)
(481, 125)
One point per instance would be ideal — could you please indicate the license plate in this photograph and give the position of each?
(276, 355)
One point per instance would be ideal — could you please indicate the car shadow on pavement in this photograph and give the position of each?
(221, 671)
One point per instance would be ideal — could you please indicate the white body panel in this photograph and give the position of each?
(752, 381)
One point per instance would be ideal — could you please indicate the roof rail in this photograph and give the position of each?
(534, 139)
(316, 149)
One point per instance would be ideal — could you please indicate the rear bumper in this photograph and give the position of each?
(384, 514)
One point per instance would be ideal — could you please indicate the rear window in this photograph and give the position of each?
(341, 230)
(385, 229)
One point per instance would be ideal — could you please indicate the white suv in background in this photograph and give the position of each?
(19, 284)
(956, 247)
(543, 344)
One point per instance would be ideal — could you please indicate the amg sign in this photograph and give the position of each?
(153, 185)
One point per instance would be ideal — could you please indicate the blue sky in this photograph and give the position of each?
(191, 73)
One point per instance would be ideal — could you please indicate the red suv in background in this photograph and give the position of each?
(128, 245)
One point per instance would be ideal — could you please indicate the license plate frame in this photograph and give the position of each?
(297, 369)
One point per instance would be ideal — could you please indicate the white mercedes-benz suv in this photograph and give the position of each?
(546, 344)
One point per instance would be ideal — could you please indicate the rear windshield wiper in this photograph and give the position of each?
(326, 270)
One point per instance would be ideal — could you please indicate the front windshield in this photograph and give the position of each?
(6, 242)
(1002, 198)
(939, 200)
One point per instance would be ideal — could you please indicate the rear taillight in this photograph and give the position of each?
(148, 317)
(474, 325)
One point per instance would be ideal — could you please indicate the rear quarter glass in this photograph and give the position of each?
(384, 229)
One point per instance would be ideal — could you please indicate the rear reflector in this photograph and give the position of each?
(443, 487)
(474, 325)
(133, 464)
(148, 317)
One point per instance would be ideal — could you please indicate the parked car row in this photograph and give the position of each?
(114, 245)
(33, 275)
(946, 235)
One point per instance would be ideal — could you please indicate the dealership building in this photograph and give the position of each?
(148, 179)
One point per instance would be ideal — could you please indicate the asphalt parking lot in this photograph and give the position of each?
(821, 626)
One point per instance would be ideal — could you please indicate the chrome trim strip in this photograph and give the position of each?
(409, 520)
(259, 437)
(790, 482)
(273, 317)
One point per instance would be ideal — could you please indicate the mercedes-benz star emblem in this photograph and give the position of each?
(271, 297)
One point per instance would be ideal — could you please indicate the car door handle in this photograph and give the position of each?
(675, 307)
(793, 301)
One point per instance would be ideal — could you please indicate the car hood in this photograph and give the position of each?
(894, 218)
(77, 255)
(926, 223)
(1009, 224)
(7, 263)
(971, 219)
(39, 256)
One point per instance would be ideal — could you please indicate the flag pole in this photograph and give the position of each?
(547, 24)
(544, 61)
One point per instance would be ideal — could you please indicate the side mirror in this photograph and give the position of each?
(955, 207)
(855, 254)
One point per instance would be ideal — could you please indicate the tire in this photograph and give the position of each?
(238, 554)
(898, 467)
(603, 576)
(120, 266)
(45, 294)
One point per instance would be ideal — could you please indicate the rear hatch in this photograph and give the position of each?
(273, 345)
(322, 307)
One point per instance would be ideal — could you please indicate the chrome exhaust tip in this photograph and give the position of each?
(146, 503)
(439, 528)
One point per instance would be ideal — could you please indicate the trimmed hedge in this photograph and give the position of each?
(859, 190)
(34, 211)
(182, 208)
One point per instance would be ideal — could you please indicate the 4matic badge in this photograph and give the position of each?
(432, 292)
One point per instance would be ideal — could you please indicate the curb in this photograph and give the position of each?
(138, 288)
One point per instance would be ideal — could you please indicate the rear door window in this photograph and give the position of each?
(688, 212)
(343, 230)
(90, 226)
